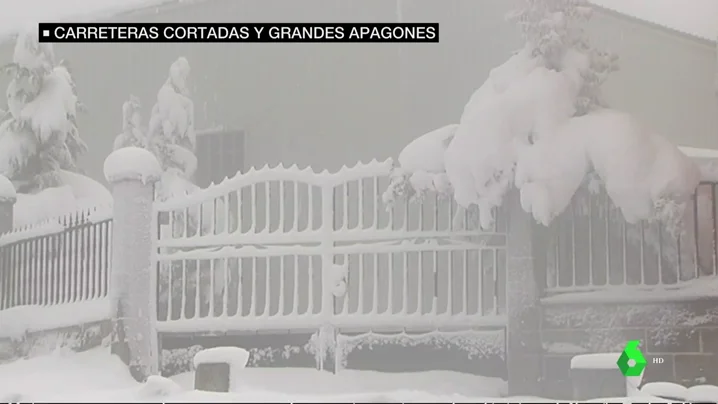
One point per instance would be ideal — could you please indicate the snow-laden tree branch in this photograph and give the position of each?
(539, 123)
(551, 28)
(40, 137)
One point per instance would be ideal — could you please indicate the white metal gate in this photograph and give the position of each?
(292, 249)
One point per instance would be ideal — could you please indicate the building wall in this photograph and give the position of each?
(333, 104)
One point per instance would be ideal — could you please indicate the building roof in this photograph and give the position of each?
(98, 10)
(660, 27)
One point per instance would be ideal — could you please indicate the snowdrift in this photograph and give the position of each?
(79, 193)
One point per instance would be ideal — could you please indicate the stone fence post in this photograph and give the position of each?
(7, 203)
(132, 173)
(523, 265)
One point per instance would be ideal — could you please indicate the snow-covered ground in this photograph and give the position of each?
(19, 320)
(96, 376)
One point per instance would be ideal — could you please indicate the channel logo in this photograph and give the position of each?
(632, 362)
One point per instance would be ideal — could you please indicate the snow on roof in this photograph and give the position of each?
(693, 22)
(699, 153)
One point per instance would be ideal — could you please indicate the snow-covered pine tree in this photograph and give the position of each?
(40, 135)
(133, 134)
(551, 28)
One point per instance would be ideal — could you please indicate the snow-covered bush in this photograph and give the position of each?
(421, 166)
(539, 123)
(40, 136)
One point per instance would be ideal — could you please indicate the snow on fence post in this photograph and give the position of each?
(7, 202)
(523, 343)
(132, 173)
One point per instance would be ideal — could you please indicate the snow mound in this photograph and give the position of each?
(85, 189)
(666, 390)
(18, 321)
(132, 163)
(595, 361)
(48, 378)
(235, 357)
(158, 386)
(7, 190)
(80, 193)
(704, 393)
(50, 203)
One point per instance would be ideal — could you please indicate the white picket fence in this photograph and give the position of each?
(313, 249)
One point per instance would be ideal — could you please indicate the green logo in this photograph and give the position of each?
(632, 361)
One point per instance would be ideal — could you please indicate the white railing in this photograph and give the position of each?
(283, 248)
(593, 248)
(62, 260)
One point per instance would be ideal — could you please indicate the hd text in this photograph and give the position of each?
(238, 32)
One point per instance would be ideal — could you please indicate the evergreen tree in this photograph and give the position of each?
(553, 27)
(171, 135)
(39, 136)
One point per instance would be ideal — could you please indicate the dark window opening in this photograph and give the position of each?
(220, 154)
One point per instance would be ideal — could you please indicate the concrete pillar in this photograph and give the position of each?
(132, 173)
(523, 345)
(7, 203)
